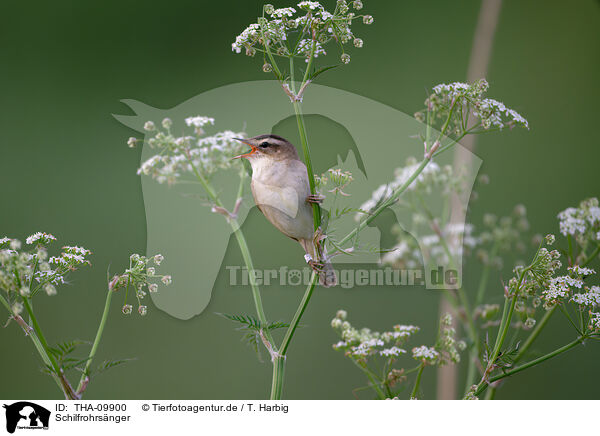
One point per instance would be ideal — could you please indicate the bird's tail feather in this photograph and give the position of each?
(327, 276)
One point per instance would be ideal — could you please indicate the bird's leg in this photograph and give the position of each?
(316, 198)
(316, 266)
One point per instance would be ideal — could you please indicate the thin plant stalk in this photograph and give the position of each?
(83, 381)
(37, 344)
(47, 356)
(482, 387)
(417, 381)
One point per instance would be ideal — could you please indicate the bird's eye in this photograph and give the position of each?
(264, 145)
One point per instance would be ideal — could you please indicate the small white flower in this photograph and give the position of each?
(167, 123)
(40, 237)
(199, 121)
(153, 288)
(143, 310)
(166, 280)
(394, 351)
(149, 126)
(425, 354)
(158, 259)
(582, 271)
(50, 290)
(340, 344)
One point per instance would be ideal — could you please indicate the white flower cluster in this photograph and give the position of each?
(338, 178)
(360, 344)
(308, 46)
(190, 153)
(71, 257)
(273, 30)
(583, 222)
(468, 99)
(40, 238)
(446, 346)
(561, 287)
(137, 278)
(425, 354)
(589, 298)
(18, 267)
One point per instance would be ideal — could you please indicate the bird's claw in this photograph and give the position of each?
(316, 198)
(316, 266)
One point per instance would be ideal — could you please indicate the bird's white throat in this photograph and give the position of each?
(262, 167)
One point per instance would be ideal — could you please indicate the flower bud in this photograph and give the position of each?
(167, 123)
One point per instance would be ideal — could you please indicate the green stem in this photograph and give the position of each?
(372, 378)
(36, 342)
(5, 304)
(85, 376)
(485, 274)
(40, 334)
(417, 382)
(394, 196)
(48, 358)
(241, 239)
(307, 161)
(592, 256)
(491, 394)
(278, 377)
(503, 330)
(530, 339)
(298, 315)
(534, 362)
(475, 352)
(363, 223)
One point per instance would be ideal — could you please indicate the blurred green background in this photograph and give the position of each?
(65, 169)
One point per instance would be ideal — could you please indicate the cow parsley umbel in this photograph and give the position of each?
(301, 32)
(376, 353)
(27, 270)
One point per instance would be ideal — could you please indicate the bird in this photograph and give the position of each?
(282, 193)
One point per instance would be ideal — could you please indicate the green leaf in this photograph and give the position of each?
(108, 364)
(316, 73)
(247, 321)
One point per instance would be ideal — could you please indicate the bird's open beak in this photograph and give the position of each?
(251, 152)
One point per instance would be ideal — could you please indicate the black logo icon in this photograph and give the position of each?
(26, 415)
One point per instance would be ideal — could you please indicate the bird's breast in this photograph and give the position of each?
(280, 189)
